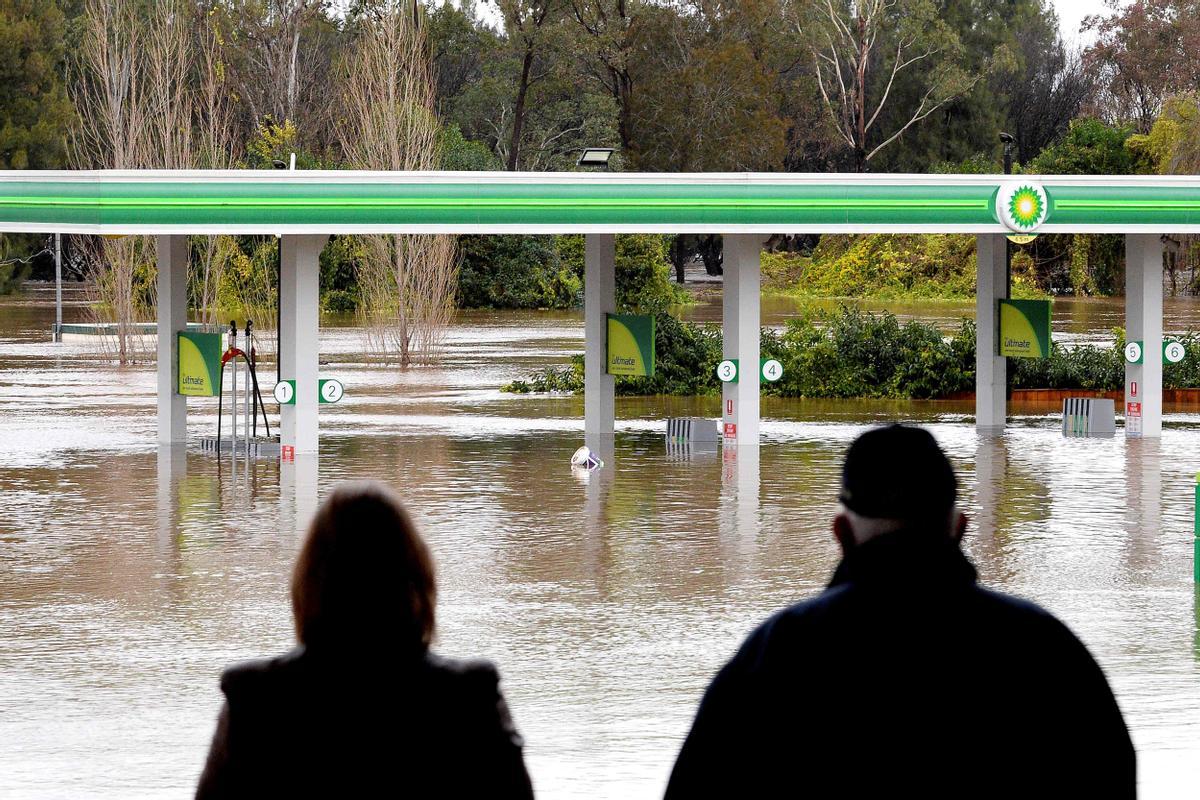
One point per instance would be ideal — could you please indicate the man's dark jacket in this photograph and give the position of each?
(905, 679)
(362, 724)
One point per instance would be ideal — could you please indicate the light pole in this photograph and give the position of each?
(277, 164)
(58, 287)
(1008, 140)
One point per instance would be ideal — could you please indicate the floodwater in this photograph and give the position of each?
(129, 578)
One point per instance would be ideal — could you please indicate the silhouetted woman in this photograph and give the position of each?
(361, 708)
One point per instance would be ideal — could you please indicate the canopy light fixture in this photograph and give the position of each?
(596, 157)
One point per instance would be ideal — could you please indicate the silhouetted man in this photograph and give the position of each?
(904, 678)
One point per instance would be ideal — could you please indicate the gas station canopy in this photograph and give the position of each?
(332, 202)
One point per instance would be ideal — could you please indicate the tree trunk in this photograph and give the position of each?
(860, 99)
(514, 148)
(679, 259)
(624, 97)
(712, 253)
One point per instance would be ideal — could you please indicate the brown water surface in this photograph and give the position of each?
(129, 578)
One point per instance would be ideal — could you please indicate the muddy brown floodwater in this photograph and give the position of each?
(130, 578)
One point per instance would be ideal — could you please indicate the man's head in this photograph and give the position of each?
(896, 478)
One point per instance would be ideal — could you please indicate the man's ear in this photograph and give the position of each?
(960, 526)
(844, 533)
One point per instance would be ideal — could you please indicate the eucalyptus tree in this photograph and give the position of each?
(862, 49)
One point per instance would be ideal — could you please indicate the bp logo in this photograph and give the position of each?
(1022, 206)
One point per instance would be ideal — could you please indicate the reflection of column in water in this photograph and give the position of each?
(298, 484)
(1143, 499)
(1196, 624)
(739, 516)
(991, 471)
(598, 485)
(172, 469)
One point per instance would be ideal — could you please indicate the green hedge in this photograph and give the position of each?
(850, 353)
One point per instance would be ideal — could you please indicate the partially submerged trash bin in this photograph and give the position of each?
(1089, 416)
(586, 459)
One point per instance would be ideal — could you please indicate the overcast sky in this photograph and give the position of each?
(1071, 14)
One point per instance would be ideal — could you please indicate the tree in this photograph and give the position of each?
(528, 25)
(706, 101)
(607, 53)
(389, 122)
(860, 50)
(1090, 147)
(1045, 92)
(459, 43)
(280, 63)
(135, 105)
(35, 113)
(1172, 147)
(216, 146)
(561, 110)
(1144, 52)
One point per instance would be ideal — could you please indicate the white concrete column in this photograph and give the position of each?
(299, 300)
(1143, 323)
(172, 318)
(991, 284)
(741, 309)
(599, 300)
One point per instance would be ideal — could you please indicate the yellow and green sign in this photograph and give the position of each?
(1025, 328)
(631, 345)
(199, 364)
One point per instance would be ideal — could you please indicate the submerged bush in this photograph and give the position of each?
(686, 358)
(851, 353)
(855, 354)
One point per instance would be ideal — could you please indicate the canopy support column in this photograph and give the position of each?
(172, 254)
(741, 310)
(991, 284)
(599, 300)
(1143, 323)
(299, 338)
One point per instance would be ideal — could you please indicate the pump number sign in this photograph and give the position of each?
(285, 393)
(772, 370)
(331, 390)
(328, 391)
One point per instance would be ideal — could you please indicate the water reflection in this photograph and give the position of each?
(131, 576)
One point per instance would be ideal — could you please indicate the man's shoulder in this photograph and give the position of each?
(831, 611)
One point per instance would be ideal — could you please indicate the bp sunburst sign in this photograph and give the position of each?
(1022, 206)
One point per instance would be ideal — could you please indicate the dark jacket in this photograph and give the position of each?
(906, 679)
(303, 725)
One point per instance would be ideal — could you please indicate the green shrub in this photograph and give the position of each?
(855, 354)
(686, 357)
(11, 276)
(889, 266)
(643, 270)
(850, 353)
(514, 272)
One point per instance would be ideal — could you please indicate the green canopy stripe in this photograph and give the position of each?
(97, 201)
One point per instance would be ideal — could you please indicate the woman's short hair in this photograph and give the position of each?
(364, 573)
